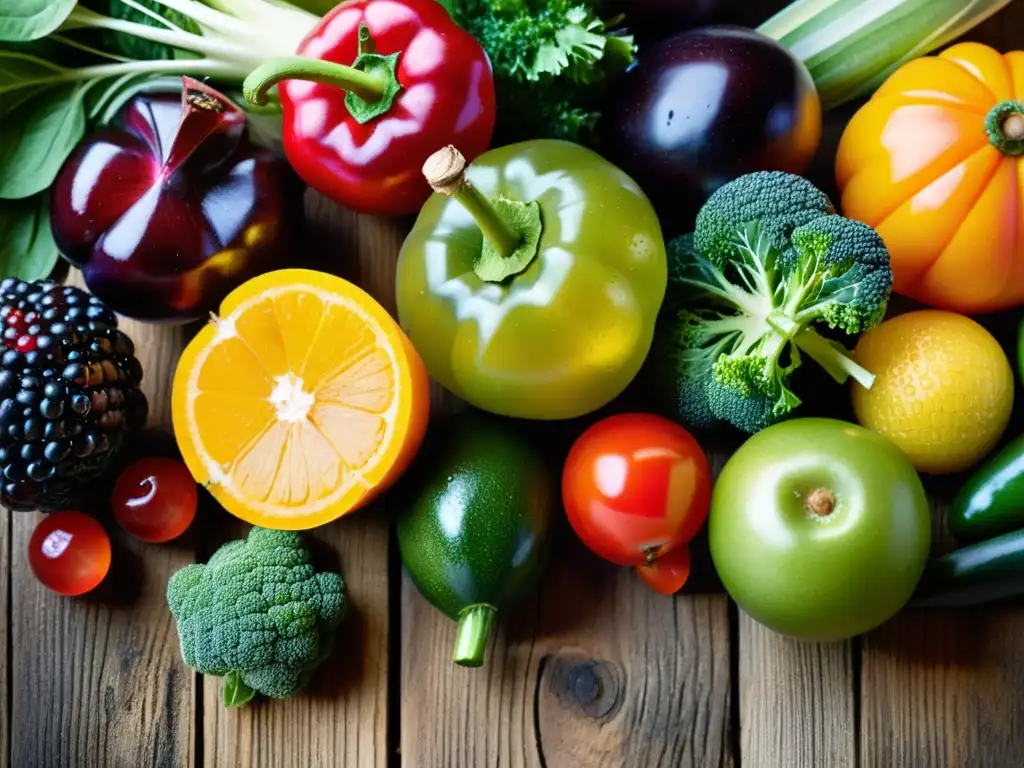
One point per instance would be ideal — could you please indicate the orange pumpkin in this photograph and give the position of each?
(934, 162)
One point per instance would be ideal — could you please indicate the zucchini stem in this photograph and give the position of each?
(475, 622)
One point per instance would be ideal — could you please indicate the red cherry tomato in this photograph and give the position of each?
(636, 487)
(667, 574)
(69, 552)
(155, 499)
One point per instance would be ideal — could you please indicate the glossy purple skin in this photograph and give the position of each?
(700, 108)
(166, 216)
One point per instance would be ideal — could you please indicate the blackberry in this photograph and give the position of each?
(69, 392)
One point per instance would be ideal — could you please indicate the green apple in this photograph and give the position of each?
(819, 528)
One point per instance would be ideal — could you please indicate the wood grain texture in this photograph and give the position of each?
(97, 680)
(598, 670)
(341, 720)
(943, 687)
(5, 573)
(797, 701)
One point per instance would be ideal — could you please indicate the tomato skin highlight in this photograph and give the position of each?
(155, 499)
(69, 553)
(636, 487)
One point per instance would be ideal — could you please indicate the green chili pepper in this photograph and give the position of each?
(991, 502)
(531, 281)
(981, 573)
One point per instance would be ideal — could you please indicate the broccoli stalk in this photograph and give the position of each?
(257, 614)
(768, 261)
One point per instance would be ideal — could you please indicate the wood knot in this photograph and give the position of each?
(591, 686)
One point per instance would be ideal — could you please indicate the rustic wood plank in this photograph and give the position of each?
(342, 719)
(5, 573)
(597, 670)
(97, 680)
(942, 687)
(797, 701)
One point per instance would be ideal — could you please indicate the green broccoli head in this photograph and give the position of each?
(778, 202)
(842, 274)
(769, 260)
(257, 614)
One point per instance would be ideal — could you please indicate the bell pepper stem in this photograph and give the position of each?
(475, 622)
(1004, 125)
(445, 171)
(369, 86)
(366, 43)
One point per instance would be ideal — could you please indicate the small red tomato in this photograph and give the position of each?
(636, 487)
(668, 572)
(155, 499)
(69, 552)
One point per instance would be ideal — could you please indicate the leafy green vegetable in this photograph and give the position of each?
(137, 47)
(257, 614)
(28, 251)
(851, 46)
(37, 132)
(551, 59)
(55, 83)
(769, 259)
(31, 19)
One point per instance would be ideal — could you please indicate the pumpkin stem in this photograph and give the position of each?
(1004, 125)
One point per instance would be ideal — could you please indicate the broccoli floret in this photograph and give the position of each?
(780, 202)
(257, 614)
(842, 274)
(769, 260)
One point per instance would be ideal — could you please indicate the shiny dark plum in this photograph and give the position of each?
(703, 107)
(173, 206)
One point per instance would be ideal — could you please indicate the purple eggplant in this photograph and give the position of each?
(172, 206)
(703, 107)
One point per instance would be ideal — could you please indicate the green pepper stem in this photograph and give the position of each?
(368, 86)
(475, 623)
(366, 43)
(445, 171)
(1004, 125)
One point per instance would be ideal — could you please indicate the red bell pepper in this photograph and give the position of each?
(376, 88)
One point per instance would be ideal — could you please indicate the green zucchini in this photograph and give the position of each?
(474, 531)
(980, 573)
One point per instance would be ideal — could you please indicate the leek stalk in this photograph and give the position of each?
(851, 46)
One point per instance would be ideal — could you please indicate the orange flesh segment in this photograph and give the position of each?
(293, 404)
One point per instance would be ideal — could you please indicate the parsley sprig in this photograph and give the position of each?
(552, 60)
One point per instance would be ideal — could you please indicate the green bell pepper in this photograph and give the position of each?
(531, 281)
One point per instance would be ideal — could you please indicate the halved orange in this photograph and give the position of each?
(300, 401)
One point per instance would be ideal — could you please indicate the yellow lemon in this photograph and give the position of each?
(943, 389)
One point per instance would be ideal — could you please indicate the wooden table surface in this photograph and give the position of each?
(597, 670)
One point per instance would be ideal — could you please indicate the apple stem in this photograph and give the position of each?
(821, 502)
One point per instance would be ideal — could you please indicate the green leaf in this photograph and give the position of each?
(27, 250)
(37, 136)
(22, 20)
(235, 692)
(137, 47)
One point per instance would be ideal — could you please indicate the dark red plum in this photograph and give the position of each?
(703, 107)
(172, 206)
